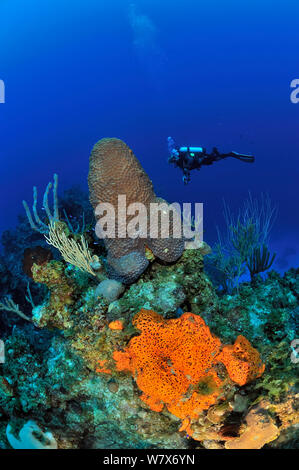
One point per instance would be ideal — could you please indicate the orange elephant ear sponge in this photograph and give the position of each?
(176, 363)
(242, 361)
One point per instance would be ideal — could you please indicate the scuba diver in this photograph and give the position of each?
(193, 158)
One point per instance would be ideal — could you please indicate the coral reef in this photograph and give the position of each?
(97, 368)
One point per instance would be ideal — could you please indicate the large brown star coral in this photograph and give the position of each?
(180, 364)
(114, 170)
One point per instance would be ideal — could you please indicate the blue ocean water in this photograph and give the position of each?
(207, 73)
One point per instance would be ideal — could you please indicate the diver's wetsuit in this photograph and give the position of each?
(193, 158)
